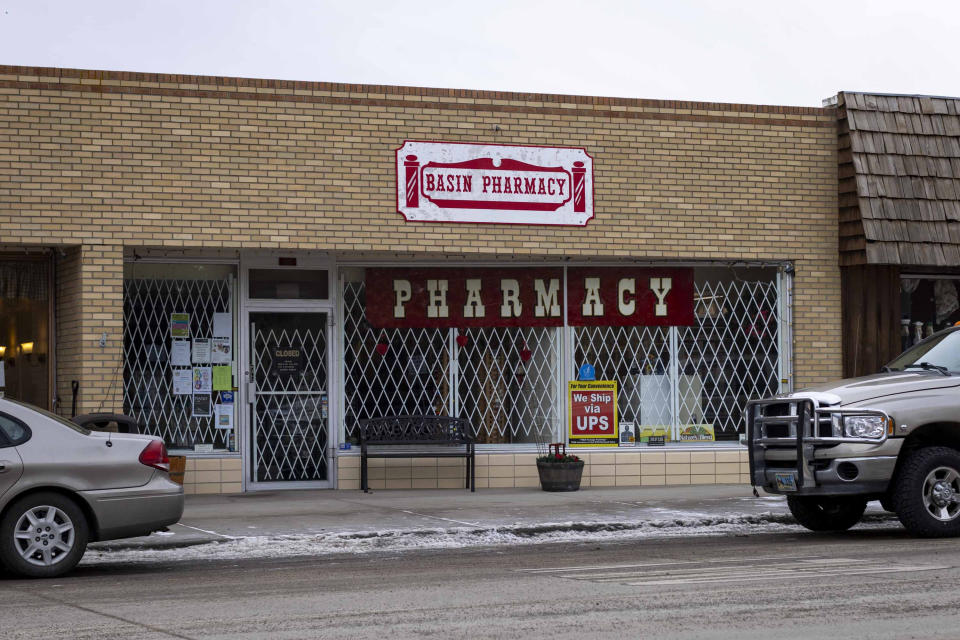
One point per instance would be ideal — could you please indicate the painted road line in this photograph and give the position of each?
(657, 564)
(779, 568)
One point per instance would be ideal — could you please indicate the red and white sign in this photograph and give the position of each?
(461, 298)
(630, 296)
(592, 407)
(528, 297)
(498, 184)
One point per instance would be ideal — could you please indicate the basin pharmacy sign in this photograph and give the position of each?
(494, 184)
(592, 407)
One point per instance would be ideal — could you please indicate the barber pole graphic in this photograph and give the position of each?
(579, 185)
(412, 169)
(498, 184)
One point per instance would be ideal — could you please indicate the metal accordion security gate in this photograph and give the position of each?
(505, 380)
(509, 382)
(149, 390)
(289, 398)
(678, 378)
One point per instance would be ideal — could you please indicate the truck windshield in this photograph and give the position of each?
(940, 352)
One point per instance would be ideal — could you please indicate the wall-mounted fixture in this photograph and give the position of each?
(26, 348)
(3, 350)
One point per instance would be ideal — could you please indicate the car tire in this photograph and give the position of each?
(43, 535)
(926, 492)
(827, 513)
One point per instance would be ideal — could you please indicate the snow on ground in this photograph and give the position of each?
(668, 524)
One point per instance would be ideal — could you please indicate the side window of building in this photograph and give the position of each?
(13, 431)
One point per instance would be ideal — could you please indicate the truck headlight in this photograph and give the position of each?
(868, 427)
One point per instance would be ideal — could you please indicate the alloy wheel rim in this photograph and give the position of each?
(44, 535)
(941, 494)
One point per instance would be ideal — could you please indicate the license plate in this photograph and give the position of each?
(786, 481)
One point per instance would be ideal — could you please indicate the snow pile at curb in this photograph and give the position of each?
(463, 537)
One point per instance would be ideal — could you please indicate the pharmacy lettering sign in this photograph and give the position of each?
(494, 184)
(457, 297)
(592, 407)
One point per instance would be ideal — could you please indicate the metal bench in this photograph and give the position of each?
(417, 437)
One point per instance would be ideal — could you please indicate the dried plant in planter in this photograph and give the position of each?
(559, 471)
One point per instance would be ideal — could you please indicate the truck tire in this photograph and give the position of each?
(827, 513)
(886, 503)
(926, 492)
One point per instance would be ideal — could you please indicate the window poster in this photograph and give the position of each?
(202, 380)
(182, 382)
(222, 325)
(180, 353)
(201, 350)
(220, 352)
(180, 325)
(592, 407)
(697, 433)
(224, 416)
(222, 378)
(201, 405)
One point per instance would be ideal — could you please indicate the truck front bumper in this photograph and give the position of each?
(793, 450)
(872, 476)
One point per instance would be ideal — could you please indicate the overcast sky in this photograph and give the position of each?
(769, 52)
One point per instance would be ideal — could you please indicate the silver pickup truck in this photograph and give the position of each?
(893, 437)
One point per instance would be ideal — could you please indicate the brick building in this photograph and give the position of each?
(157, 225)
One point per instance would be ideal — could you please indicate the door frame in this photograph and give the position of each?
(245, 353)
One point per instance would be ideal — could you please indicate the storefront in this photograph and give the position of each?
(899, 208)
(26, 312)
(272, 262)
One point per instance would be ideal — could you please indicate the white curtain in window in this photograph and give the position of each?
(28, 280)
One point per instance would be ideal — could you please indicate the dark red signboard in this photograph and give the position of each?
(446, 298)
(528, 297)
(629, 296)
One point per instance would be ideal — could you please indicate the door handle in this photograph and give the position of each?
(3, 467)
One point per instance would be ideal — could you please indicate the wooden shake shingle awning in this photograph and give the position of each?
(899, 176)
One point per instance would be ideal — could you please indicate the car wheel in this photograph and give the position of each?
(43, 535)
(827, 513)
(926, 493)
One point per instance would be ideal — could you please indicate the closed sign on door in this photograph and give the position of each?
(286, 361)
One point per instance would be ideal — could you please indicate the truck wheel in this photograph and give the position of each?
(827, 513)
(42, 536)
(926, 492)
(886, 502)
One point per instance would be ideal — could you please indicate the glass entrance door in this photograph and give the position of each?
(289, 398)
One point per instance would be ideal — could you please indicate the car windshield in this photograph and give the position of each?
(938, 353)
(52, 416)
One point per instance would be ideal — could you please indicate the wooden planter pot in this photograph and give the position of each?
(177, 466)
(563, 476)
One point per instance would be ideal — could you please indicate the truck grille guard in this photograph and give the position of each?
(800, 423)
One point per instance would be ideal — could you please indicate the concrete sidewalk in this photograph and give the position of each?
(210, 518)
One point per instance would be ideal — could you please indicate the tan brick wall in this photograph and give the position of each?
(90, 304)
(613, 469)
(69, 328)
(113, 160)
(212, 475)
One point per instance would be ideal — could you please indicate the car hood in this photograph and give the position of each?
(856, 390)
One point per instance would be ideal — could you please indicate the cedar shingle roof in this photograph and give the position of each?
(899, 179)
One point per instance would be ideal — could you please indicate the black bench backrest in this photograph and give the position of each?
(416, 430)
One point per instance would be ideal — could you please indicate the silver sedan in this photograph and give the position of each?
(62, 486)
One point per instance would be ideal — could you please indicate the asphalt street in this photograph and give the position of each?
(872, 582)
